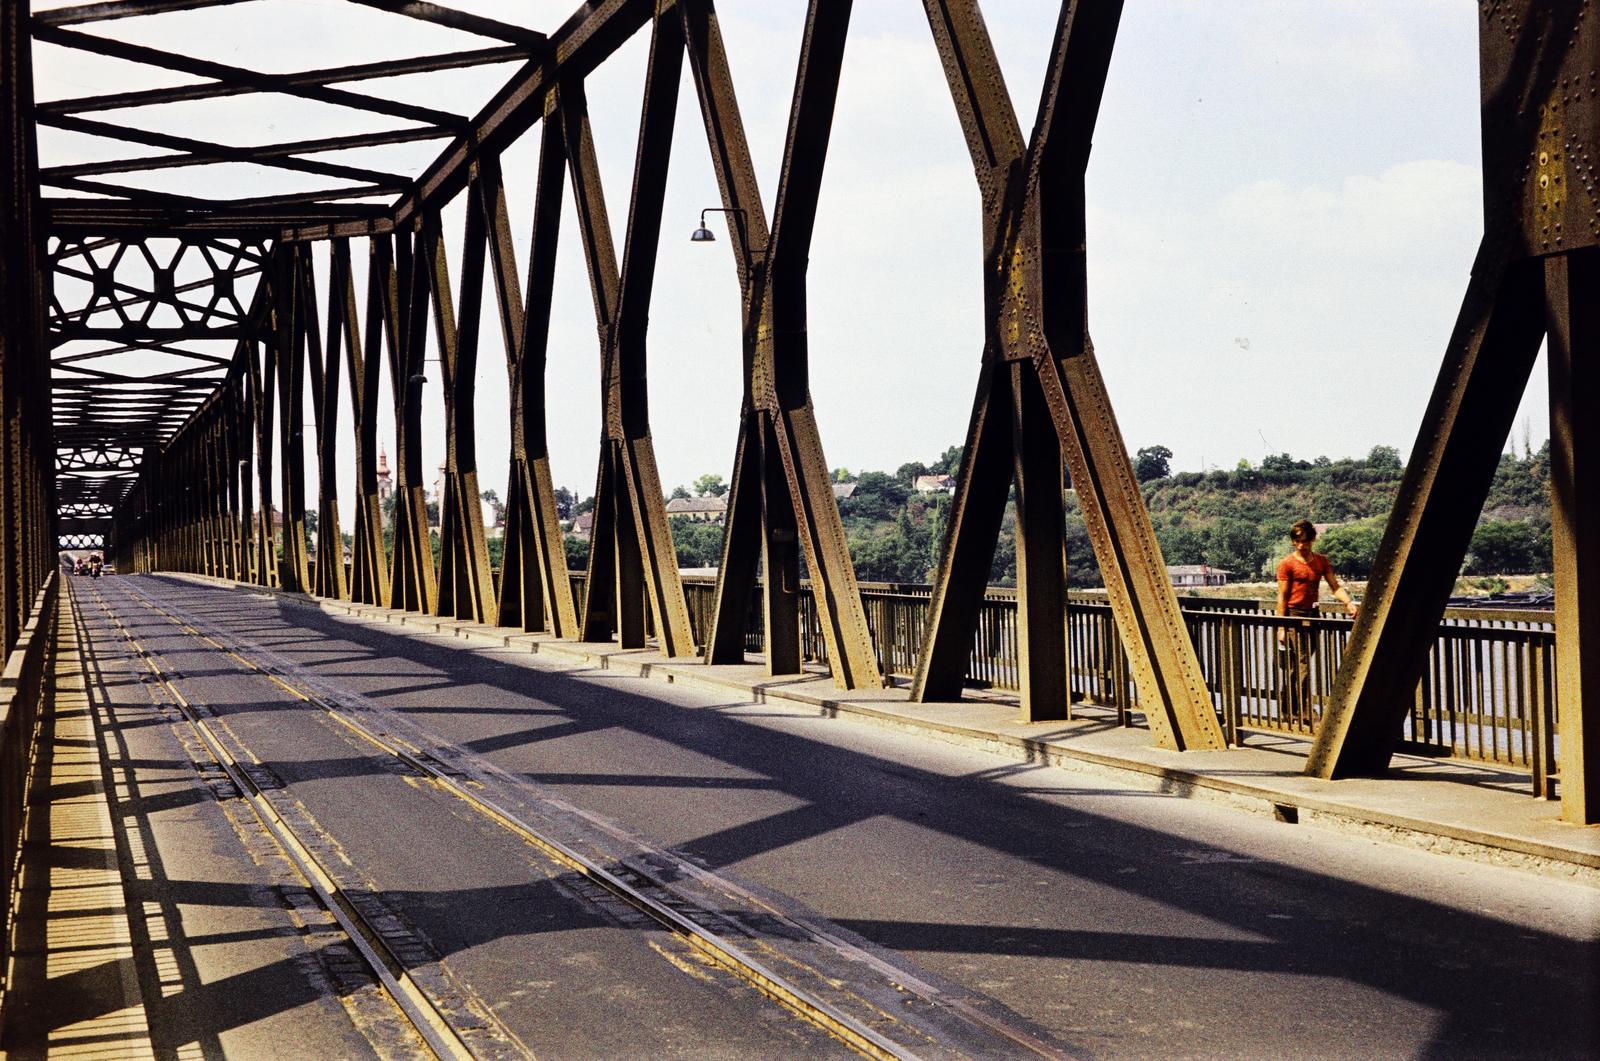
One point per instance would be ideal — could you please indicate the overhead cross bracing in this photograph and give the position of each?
(154, 276)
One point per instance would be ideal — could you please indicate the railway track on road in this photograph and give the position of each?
(975, 1032)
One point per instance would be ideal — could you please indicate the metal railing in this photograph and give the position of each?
(25, 686)
(1488, 694)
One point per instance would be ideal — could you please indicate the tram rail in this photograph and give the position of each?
(650, 897)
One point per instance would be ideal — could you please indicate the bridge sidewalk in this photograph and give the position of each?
(1465, 809)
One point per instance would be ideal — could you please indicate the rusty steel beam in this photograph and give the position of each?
(535, 590)
(328, 576)
(290, 312)
(592, 33)
(413, 583)
(369, 565)
(1535, 274)
(631, 558)
(1041, 380)
(781, 503)
(466, 586)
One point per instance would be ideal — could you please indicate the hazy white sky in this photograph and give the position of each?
(1283, 209)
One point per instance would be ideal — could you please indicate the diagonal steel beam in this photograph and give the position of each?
(250, 80)
(1040, 372)
(279, 82)
(781, 503)
(631, 556)
(1535, 275)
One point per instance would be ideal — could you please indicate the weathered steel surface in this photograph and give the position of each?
(369, 565)
(1039, 369)
(535, 592)
(404, 289)
(781, 503)
(466, 587)
(1534, 274)
(631, 557)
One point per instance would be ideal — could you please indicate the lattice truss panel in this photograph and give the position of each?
(164, 182)
(142, 330)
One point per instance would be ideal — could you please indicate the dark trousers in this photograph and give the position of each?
(1299, 652)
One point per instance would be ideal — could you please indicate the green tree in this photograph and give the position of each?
(1352, 548)
(1234, 545)
(842, 475)
(710, 485)
(679, 494)
(1181, 544)
(696, 542)
(1503, 548)
(877, 497)
(907, 473)
(1384, 458)
(949, 462)
(577, 552)
(566, 501)
(1152, 462)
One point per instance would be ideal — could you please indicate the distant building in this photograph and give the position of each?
(583, 525)
(1196, 576)
(699, 509)
(843, 491)
(385, 482)
(934, 484)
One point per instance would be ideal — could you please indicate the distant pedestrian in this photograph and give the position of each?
(1299, 577)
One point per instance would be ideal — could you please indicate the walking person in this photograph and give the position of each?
(1299, 583)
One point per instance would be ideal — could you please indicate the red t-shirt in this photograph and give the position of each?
(1303, 576)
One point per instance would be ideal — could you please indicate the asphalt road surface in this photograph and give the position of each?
(1114, 922)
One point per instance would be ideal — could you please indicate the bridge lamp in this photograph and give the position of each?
(704, 234)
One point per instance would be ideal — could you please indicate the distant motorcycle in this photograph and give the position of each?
(95, 564)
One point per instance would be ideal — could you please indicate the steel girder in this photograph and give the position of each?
(781, 503)
(535, 590)
(28, 515)
(403, 283)
(632, 564)
(466, 587)
(1041, 401)
(369, 564)
(1536, 274)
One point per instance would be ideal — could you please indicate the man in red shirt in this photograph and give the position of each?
(1299, 575)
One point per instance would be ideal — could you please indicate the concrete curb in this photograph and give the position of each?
(1294, 799)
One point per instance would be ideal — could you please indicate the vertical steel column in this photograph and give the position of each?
(466, 585)
(405, 298)
(329, 575)
(535, 590)
(27, 448)
(1041, 375)
(262, 363)
(1573, 291)
(1535, 272)
(369, 567)
(289, 336)
(781, 503)
(631, 556)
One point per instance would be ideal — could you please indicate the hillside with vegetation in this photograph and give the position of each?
(1237, 519)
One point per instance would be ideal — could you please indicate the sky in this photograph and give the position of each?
(1283, 207)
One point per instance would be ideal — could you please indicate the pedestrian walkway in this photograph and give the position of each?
(73, 944)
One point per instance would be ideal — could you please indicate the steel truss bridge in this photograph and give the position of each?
(176, 467)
